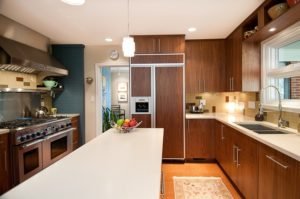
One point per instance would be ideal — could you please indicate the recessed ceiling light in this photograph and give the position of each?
(272, 29)
(108, 39)
(192, 29)
(74, 2)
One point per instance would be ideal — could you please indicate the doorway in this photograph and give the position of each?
(113, 94)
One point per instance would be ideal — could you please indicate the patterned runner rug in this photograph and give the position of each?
(200, 188)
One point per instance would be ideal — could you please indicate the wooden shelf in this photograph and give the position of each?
(285, 20)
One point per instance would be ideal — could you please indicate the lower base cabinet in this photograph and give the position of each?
(5, 165)
(75, 125)
(237, 154)
(199, 139)
(279, 175)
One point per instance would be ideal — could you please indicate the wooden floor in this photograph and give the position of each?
(193, 169)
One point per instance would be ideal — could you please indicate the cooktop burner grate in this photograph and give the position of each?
(25, 122)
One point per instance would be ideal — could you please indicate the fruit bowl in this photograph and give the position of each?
(123, 129)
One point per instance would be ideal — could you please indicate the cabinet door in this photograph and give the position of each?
(234, 61)
(192, 70)
(140, 81)
(146, 118)
(200, 139)
(145, 44)
(218, 141)
(277, 175)
(247, 162)
(5, 166)
(228, 156)
(170, 44)
(169, 109)
(205, 66)
(75, 125)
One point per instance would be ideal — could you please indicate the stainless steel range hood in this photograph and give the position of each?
(18, 57)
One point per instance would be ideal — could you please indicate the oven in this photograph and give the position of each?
(38, 143)
(141, 105)
(36, 155)
(57, 146)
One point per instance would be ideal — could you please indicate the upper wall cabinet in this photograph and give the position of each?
(242, 63)
(205, 66)
(152, 44)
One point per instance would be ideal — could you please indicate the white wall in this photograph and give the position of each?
(117, 78)
(96, 55)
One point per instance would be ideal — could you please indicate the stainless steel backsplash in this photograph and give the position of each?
(13, 105)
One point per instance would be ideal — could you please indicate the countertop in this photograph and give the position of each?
(288, 144)
(111, 166)
(68, 114)
(2, 131)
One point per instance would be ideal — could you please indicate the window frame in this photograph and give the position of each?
(270, 69)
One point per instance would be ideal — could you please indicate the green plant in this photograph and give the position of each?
(108, 116)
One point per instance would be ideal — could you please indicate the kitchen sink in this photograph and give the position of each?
(261, 129)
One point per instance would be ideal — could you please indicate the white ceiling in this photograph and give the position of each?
(96, 19)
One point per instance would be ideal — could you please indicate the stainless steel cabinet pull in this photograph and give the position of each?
(32, 143)
(232, 84)
(280, 164)
(204, 86)
(162, 185)
(57, 134)
(188, 125)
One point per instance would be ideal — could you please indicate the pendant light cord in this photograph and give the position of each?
(128, 17)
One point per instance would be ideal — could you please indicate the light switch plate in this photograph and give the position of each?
(251, 105)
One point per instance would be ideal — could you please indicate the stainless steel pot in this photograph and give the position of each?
(41, 112)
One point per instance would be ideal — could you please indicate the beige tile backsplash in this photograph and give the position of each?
(9, 78)
(219, 101)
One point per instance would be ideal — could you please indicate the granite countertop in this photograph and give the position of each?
(113, 165)
(288, 144)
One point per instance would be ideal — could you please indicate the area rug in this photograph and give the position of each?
(200, 188)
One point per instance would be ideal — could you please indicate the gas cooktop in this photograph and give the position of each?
(27, 122)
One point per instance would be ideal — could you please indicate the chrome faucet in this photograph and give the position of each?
(281, 122)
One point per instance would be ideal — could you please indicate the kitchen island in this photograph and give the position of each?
(112, 166)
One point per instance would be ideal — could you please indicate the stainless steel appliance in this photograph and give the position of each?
(38, 143)
(141, 105)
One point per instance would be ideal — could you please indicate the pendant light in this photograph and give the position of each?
(128, 45)
(74, 2)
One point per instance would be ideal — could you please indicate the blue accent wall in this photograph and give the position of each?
(71, 100)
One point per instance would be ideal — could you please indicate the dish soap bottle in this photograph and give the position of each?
(260, 115)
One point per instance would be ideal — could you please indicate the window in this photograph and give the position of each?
(281, 68)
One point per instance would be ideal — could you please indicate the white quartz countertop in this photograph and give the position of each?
(112, 166)
(2, 131)
(288, 144)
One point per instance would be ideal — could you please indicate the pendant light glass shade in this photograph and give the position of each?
(74, 2)
(128, 46)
